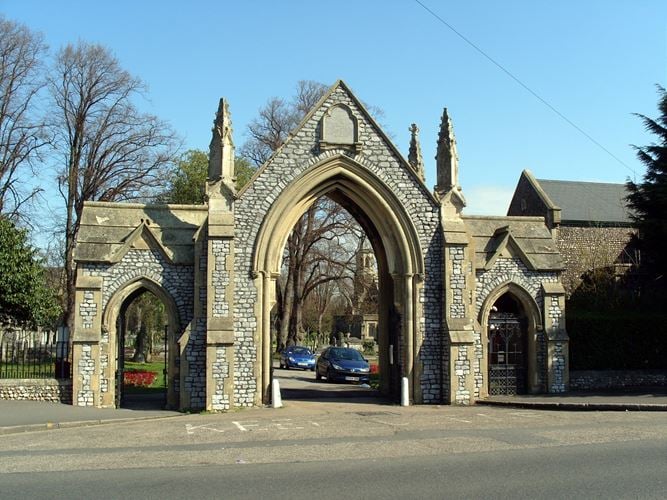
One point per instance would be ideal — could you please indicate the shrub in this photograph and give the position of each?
(368, 346)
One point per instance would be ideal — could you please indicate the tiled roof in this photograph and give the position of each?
(588, 201)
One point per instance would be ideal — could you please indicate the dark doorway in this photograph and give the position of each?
(507, 348)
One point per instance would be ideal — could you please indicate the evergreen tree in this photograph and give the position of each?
(188, 182)
(648, 198)
(24, 297)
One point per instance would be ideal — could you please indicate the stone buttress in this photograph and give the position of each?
(220, 356)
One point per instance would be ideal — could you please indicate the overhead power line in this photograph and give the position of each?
(526, 87)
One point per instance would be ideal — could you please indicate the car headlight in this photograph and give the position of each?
(365, 370)
(291, 359)
(336, 367)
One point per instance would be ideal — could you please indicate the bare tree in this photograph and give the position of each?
(277, 118)
(22, 135)
(321, 249)
(110, 150)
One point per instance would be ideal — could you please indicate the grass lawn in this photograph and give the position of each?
(156, 367)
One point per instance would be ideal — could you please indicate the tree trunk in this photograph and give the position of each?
(140, 341)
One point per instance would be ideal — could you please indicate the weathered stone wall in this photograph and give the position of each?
(297, 155)
(592, 247)
(220, 277)
(559, 355)
(616, 379)
(51, 390)
(88, 309)
(457, 282)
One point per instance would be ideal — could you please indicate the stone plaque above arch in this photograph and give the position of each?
(340, 128)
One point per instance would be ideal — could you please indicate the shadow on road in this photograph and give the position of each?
(302, 386)
(144, 401)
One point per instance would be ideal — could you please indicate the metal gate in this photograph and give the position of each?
(120, 359)
(507, 363)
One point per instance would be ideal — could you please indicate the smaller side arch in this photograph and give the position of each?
(121, 298)
(533, 316)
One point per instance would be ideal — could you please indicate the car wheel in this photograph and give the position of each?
(317, 375)
(330, 377)
(286, 366)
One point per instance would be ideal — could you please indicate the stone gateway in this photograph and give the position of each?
(468, 306)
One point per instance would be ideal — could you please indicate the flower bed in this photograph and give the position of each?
(138, 378)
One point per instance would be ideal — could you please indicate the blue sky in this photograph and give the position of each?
(596, 62)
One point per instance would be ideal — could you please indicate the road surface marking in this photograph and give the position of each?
(525, 415)
(190, 429)
(460, 420)
(240, 427)
(487, 416)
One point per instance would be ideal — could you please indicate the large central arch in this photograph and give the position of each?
(395, 242)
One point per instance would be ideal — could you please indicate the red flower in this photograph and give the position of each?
(138, 378)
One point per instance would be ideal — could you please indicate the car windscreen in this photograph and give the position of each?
(302, 351)
(350, 354)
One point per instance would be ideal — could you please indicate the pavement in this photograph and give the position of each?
(647, 399)
(30, 416)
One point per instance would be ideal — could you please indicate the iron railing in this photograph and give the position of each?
(29, 360)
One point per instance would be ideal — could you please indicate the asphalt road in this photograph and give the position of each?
(342, 441)
(631, 469)
(333, 449)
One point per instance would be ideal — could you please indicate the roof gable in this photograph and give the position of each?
(505, 244)
(142, 238)
(350, 142)
(524, 238)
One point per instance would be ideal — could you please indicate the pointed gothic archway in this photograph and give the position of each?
(511, 343)
(395, 243)
(113, 322)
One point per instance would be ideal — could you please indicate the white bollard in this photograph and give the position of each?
(276, 399)
(405, 395)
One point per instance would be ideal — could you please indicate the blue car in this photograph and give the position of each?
(342, 364)
(296, 356)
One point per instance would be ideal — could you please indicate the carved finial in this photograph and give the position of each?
(415, 155)
(447, 158)
(221, 149)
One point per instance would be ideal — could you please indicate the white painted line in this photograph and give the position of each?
(240, 427)
(460, 420)
(190, 429)
(487, 416)
(315, 424)
(525, 415)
